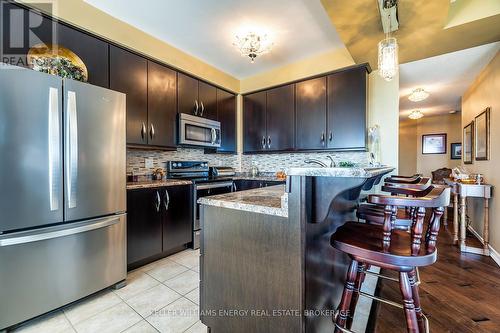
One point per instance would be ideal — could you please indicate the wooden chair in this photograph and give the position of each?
(385, 247)
(403, 179)
(439, 175)
(373, 213)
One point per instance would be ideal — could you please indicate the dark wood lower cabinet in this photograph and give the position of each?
(144, 225)
(177, 220)
(159, 221)
(248, 184)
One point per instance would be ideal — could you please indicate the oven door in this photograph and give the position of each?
(198, 131)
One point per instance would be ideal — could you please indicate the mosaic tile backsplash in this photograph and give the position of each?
(242, 163)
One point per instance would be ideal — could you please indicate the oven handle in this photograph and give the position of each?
(216, 185)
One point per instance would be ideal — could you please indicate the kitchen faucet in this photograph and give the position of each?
(332, 162)
(315, 161)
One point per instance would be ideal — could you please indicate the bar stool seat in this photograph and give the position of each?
(362, 240)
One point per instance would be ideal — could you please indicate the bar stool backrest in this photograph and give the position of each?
(437, 197)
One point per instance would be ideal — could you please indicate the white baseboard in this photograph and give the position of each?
(476, 234)
(494, 255)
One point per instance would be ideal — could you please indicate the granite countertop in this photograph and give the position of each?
(259, 177)
(357, 172)
(157, 183)
(270, 200)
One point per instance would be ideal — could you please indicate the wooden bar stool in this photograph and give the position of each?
(397, 250)
(404, 180)
(373, 213)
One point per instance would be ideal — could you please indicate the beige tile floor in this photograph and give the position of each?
(160, 297)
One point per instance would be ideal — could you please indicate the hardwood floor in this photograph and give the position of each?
(459, 293)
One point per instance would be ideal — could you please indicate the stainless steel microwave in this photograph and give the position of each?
(198, 131)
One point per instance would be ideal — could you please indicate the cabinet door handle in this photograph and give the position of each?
(152, 131)
(269, 142)
(263, 142)
(202, 109)
(323, 138)
(166, 200)
(143, 131)
(196, 106)
(234, 187)
(158, 201)
(330, 136)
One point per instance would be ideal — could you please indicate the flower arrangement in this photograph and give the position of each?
(59, 66)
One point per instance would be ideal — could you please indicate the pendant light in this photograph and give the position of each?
(388, 55)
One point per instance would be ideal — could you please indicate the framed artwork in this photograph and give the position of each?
(456, 151)
(468, 143)
(482, 136)
(434, 144)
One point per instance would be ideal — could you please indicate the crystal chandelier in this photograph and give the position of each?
(416, 114)
(252, 45)
(388, 51)
(418, 95)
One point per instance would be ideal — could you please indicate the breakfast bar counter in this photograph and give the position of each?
(266, 260)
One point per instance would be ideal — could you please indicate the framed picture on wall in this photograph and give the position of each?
(482, 136)
(456, 151)
(434, 144)
(468, 143)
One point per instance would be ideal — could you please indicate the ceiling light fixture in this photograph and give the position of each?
(418, 95)
(416, 114)
(388, 47)
(252, 45)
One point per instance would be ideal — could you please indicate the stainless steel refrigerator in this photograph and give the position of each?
(62, 192)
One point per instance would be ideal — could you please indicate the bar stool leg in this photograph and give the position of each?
(416, 300)
(408, 305)
(355, 296)
(343, 309)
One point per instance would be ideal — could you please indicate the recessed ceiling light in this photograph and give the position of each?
(416, 114)
(418, 95)
(453, 111)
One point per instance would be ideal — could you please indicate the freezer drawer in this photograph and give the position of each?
(45, 269)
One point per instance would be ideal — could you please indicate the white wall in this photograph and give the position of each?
(483, 93)
(383, 110)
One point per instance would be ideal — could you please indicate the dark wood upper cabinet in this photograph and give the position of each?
(187, 94)
(226, 114)
(144, 225)
(177, 218)
(207, 95)
(21, 30)
(31, 29)
(311, 114)
(128, 73)
(347, 109)
(162, 105)
(196, 97)
(280, 118)
(92, 51)
(254, 122)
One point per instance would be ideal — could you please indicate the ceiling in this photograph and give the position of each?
(421, 33)
(445, 77)
(206, 29)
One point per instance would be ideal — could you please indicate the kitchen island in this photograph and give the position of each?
(266, 260)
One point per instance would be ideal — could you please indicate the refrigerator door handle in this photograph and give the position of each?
(36, 236)
(54, 149)
(72, 146)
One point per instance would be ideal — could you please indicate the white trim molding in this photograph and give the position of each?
(494, 255)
